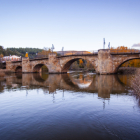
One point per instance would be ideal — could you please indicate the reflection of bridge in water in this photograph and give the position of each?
(104, 85)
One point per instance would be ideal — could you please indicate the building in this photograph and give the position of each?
(11, 57)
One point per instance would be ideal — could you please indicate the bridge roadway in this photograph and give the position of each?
(104, 62)
(104, 85)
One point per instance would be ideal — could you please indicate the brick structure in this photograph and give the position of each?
(104, 62)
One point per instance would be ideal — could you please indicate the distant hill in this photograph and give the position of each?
(33, 51)
(20, 51)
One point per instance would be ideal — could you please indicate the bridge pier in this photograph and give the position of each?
(105, 62)
(26, 67)
(53, 64)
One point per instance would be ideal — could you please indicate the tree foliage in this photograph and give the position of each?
(20, 51)
(130, 63)
(45, 53)
(81, 63)
(122, 49)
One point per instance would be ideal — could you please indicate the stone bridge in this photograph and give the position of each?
(103, 62)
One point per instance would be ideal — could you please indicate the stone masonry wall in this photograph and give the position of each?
(104, 62)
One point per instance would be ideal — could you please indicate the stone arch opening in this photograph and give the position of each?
(40, 68)
(69, 63)
(125, 61)
(18, 69)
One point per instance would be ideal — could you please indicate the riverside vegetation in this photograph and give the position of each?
(135, 82)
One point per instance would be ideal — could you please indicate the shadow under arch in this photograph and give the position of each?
(18, 75)
(39, 77)
(18, 69)
(69, 63)
(116, 70)
(37, 68)
(68, 81)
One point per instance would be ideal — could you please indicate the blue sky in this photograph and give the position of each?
(72, 24)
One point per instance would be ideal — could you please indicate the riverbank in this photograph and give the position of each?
(134, 74)
(135, 83)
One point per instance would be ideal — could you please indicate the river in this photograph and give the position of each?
(73, 106)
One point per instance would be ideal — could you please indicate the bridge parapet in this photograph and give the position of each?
(105, 64)
(54, 64)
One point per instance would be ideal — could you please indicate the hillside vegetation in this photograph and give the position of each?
(19, 51)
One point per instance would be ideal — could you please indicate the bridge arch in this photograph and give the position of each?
(124, 61)
(18, 69)
(37, 67)
(69, 62)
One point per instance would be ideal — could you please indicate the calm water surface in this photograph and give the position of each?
(73, 106)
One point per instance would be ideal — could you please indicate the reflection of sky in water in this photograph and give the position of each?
(64, 106)
(81, 80)
(84, 85)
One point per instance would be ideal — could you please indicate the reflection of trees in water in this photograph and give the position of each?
(44, 76)
(125, 79)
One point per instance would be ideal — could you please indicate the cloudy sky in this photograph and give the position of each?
(72, 24)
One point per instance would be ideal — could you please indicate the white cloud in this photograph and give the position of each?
(136, 45)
